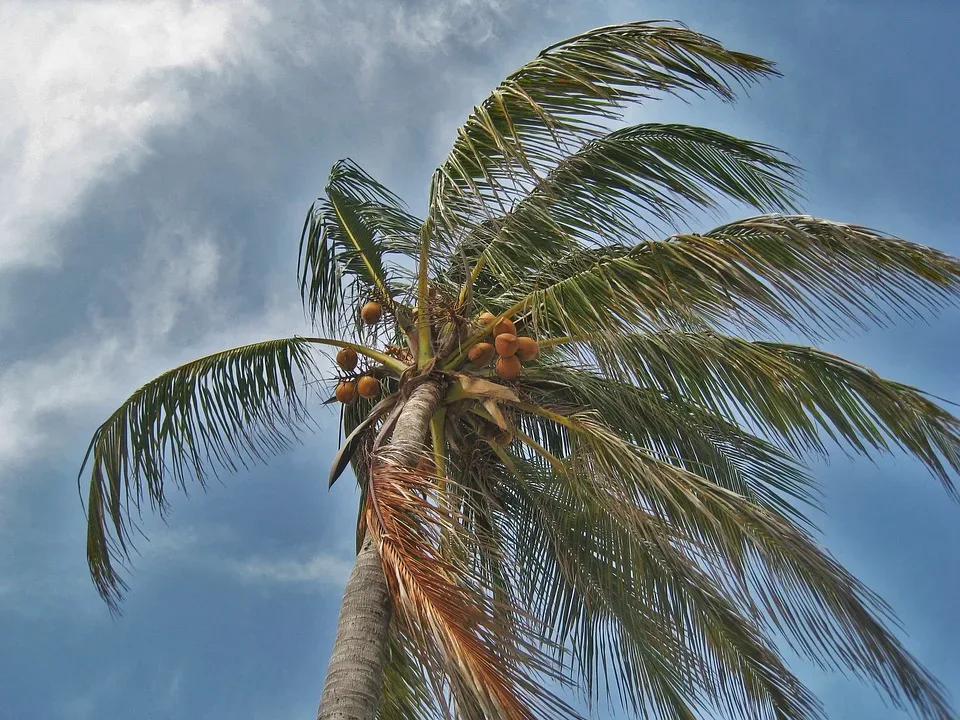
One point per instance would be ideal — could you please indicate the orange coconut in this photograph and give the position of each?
(508, 367)
(347, 359)
(368, 387)
(481, 353)
(371, 312)
(346, 392)
(505, 326)
(506, 344)
(527, 349)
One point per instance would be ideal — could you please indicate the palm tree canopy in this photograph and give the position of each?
(623, 509)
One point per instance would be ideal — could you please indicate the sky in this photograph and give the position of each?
(156, 162)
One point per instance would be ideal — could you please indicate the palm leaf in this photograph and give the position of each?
(675, 430)
(562, 97)
(790, 393)
(759, 556)
(406, 692)
(350, 235)
(655, 171)
(675, 643)
(220, 411)
(445, 607)
(759, 274)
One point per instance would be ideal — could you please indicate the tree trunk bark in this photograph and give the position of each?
(355, 673)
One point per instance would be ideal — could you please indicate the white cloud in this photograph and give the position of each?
(312, 571)
(82, 87)
(86, 84)
(436, 24)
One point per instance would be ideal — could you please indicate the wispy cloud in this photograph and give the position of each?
(320, 568)
(83, 85)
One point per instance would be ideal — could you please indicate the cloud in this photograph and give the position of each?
(83, 88)
(84, 371)
(312, 571)
(214, 548)
(83, 85)
(441, 24)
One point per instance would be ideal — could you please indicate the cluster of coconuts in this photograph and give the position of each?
(510, 350)
(365, 386)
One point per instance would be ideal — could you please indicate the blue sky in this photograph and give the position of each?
(156, 160)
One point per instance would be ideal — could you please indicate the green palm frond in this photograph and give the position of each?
(760, 557)
(218, 412)
(541, 112)
(652, 172)
(640, 611)
(674, 429)
(760, 274)
(791, 393)
(349, 236)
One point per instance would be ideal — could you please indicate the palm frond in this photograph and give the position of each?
(655, 173)
(217, 412)
(349, 236)
(760, 275)
(759, 556)
(640, 610)
(792, 394)
(563, 97)
(674, 429)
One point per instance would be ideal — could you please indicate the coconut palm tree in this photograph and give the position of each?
(579, 465)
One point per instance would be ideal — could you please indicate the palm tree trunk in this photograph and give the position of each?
(355, 673)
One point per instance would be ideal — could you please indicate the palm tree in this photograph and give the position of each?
(619, 504)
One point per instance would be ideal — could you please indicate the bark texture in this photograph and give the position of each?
(355, 673)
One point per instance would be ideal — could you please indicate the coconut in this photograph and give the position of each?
(371, 312)
(346, 392)
(368, 386)
(505, 326)
(481, 353)
(527, 349)
(508, 367)
(486, 318)
(347, 359)
(506, 344)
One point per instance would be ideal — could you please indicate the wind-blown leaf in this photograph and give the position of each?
(676, 430)
(530, 121)
(406, 692)
(824, 611)
(219, 411)
(791, 393)
(653, 173)
(444, 605)
(640, 611)
(761, 274)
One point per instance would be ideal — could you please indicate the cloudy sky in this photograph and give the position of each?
(156, 161)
